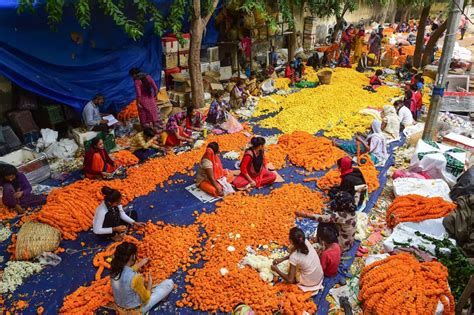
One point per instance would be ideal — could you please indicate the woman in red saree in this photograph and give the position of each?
(211, 176)
(253, 168)
(97, 162)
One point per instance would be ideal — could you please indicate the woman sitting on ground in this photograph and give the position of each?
(17, 190)
(144, 144)
(175, 130)
(352, 181)
(97, 162)
(110, 220)
(330, 255)
(130, 291)
(375, 81)
(404, 114)
(218, 115)
(211, 176)
(344, 217)
(390, 123)
(253, 168)
(238, 95)
(375, 144)
(304, 259)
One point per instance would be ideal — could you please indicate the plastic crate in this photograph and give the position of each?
(53, 113)
(109, 141)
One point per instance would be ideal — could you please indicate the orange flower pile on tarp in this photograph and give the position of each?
(402, 283)
(168, 247)
(312, 153)
(370, 172)
(239, 221)
(129, 112)
(71, 209)
(86, 299)
(415, 208)
(276, 155)
(125, 158)
(7, 214)
(330, 179)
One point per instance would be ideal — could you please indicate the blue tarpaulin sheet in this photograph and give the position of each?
(50, 64)
(176, 206)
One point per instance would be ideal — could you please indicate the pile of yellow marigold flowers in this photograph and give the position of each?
(333, 108)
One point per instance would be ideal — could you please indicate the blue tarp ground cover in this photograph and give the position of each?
(48, 288)
(52, 65)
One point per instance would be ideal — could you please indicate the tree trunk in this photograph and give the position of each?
(198, 25)
(337, 28)
(432, 42)
(394, 12)
(385, 12)
(405, 14)
(197, 85)
(420, 36)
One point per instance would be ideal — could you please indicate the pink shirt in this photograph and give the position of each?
(330, 260)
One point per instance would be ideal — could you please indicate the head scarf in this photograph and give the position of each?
(376, 126)
(217, 168)
(389, 110)
(343, 202)
(378, 143)
(346, 166)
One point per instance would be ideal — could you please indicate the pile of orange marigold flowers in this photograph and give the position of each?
(415, 208)
(312, 153)
(402, 283)
(129, 112)
(239, 221)
(125, 158)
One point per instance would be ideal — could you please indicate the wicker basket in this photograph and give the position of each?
(325, 77)
(35, 238)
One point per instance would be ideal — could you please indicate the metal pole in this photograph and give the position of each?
(447, 53)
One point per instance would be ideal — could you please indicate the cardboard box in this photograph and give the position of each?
(204, 66)
(171, 60)
(226, 73)
(216, 87)
(182, 82)
(215, 66)
(459, 141)
(213, 54)
(183, 58)
(169, 44)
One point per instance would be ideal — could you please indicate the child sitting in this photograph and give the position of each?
(375, 81)
(330, 256)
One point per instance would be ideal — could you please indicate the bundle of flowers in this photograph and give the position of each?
(402, 283)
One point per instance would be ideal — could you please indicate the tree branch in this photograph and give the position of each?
(209, 14)
(196, 9)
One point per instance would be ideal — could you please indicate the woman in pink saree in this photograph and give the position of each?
(146, 90)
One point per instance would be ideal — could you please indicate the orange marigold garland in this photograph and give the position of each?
(240, 221)
(71, 209)
(125, 158)
(312, 153)
(402, 283)
(370, 172)
(415, 208)
(85, 300)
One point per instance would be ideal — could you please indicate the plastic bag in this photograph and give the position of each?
(422, 187)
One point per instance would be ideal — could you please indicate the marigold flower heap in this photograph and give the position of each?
(415, 208)
(125, 158)
(169, 249)
(333, 108)
(129, 112)
(312, 153)
(257, 220)
(330, 179)
(402, 283)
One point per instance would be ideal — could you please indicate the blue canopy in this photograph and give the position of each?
(53, 65)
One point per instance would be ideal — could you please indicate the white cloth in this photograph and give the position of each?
(98, 223)
(406, 118)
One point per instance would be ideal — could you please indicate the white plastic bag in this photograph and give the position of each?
(422, 187)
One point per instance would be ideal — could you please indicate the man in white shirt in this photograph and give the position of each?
(92, 117)
(404, 113)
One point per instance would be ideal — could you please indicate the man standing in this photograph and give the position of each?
(91, 115)
(463, 26)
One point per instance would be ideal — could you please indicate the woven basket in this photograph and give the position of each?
(325, 77)
(35, 238)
